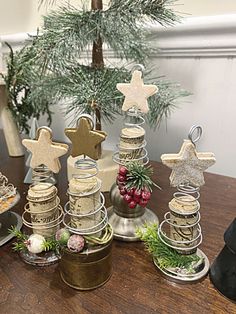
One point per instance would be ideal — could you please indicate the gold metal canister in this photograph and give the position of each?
(87, 270)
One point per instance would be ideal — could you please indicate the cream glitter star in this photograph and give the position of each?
(136, 93)
(44, 151)
(188, 165)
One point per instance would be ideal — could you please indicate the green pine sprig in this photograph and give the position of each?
(139, 176)
(48, 245)
(20, 236)
(51, 245)
(165, 256)
(19, 245)
(22, 79)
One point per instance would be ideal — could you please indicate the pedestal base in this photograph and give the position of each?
(125, 228)
(106, 167)
(7, 220)
(185, 278)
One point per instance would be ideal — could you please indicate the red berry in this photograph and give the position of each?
(121, 185)
(146, 195)
(127, 198)
(123, 191)
(132, 204)
(123, 171)
(121, 178)
(136, 199)
(130, 191)
(143, 202)
(137, 194)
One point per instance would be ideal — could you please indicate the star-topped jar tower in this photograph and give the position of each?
(132, 190)
(87, 251)
(180, 232)
(43, 213)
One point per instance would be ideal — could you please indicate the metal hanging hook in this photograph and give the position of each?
(43, 128)
(139, 67)
(195, 134)
(88, 116)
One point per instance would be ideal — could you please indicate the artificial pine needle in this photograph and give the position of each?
(165, 256)
(50, 69)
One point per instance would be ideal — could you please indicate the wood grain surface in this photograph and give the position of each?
(136, 285)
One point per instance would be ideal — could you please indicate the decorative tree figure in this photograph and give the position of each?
(132, 190)
(174, 244)
(89, 88)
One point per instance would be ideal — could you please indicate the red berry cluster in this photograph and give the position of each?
(131, 196)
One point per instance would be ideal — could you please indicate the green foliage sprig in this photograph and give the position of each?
(165, 256)
(20, 237)
(48, 245)
(22, 78)
(51, 245)
(139, 176)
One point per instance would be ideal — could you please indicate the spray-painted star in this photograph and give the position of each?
(85, 140)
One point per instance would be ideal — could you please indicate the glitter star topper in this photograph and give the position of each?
(136, 93)
(45, 151)
(188, 165)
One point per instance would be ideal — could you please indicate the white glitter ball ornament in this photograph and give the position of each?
(35, 243)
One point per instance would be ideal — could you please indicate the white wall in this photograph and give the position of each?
(206, 7)
(200, 55)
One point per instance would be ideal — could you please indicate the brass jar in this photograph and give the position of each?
(87, 270)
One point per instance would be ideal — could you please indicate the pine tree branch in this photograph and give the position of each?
(46, 2)
(164, 255)
(48, 70)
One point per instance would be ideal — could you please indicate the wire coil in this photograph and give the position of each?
(95, 220)
(42, 174)
(133, 151)
(43, 212)
(183, 221)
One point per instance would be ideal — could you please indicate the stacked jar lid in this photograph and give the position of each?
(84, 200)
(183, 219)
(131, 143)
(85, 211)
(43, 212)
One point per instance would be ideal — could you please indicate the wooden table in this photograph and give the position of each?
(136, 285)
